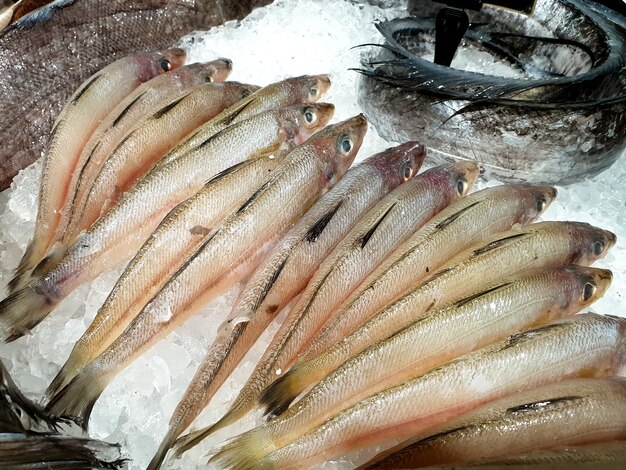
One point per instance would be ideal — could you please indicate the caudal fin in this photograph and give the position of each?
(167, 442)
(77, 399)
(69, 370)
(21, 311)
(281, 393)
(245, 450)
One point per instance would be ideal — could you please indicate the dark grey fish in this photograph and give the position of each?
(45, 56)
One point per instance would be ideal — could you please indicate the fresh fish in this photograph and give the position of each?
(11, 12)
(602, 454)
(288, 267)
(230, 253)
(303, 89)
(375, 235)
(80, 117)
(152, 139)
(165, 251)
(586, 344)
(46, 55)
(121, 232)
(488, 315)
(569, 413)
(136, 107)
(28, 451)
(543, 244)
(458, 226)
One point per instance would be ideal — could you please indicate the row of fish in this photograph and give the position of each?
(397, 283)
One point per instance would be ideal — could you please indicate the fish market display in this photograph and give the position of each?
(587, 343)
(569, 413)
(93, 100)
(543, 244)
(122, 231)
(121, 121)
(476, 321)
(45, 56)
(382, 228)
(289, 265)
(229, 254)
(563, 95)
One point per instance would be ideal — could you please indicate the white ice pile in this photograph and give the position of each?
(290, 37)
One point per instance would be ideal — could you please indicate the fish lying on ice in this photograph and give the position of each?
(468, 221)
(383, 227)
(231, 252)
(121, 232)
(569, 413)
(486, 316)
(289, 266)
(80, 117)
(45, 56)
(586, 344)
(543, 244)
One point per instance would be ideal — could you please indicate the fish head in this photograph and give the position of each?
(589, 243)
(462, 175)
(237, 91)
(531, 200)
(299, 122)
(218, 70)
(306, 88)
(399, 164)
(583, 285)
(337, 146)
(157, 63)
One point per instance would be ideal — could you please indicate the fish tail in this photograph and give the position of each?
(50, 261)
(244, 451)
(21, 311)
(167, 442)
(28, 261)
(19, 281)
(69, 370)
(282, 392)
(77, 399)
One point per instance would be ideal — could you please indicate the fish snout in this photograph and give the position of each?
(220, 69)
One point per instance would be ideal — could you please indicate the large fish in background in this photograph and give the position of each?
(46, 55)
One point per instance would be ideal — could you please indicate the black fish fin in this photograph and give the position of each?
(316, 230)
(367, 236)
(168, 107)
(121, 115)
(478, 295)
(498, 243)
(542, 404)
(456, 215)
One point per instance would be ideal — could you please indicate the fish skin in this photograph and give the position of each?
(474, 218)
(384, 226)
(152, 139)
(163, 253)
(80, 117)
(490, 314)
(46, 55)
(307, 172)
(586, 344)
(122, 231)
(291, 263)
(543, 244)
(568, 413)
(117, 125)
(302, 89)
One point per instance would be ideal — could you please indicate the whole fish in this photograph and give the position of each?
(121, 232)
(165, 251)
(468, 221)
(586, 344)
(230, 253)
(543, 244)
(288, 267)
(290, 91)
(569, 413)
(151, 140)
(46, 55)
(603, 453)
(491, 314)
(382, 228)
(80, 117)
(120, 122)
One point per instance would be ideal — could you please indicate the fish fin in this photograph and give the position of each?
(77, 399)
(282, 392)
(245, 450)
(21, 311)
(25, 266)
(50, 261)
(70, 369)
(19, 281)
(163, 449)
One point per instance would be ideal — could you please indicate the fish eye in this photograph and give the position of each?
(309, 116)
(589, 290)
(598, 247)
(313, 92)
(165, 65)
(345, 145)
(208, 79)
(407, 172)
(461, 186)
(541, 204)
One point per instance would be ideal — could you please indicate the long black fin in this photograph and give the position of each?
(316, 230)
(542, 404)
(497, 243)
(121, 115)
(268, 287)
(167, 108)
(478, 295)
(444, 223)
(366, 238)
(87, 86)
